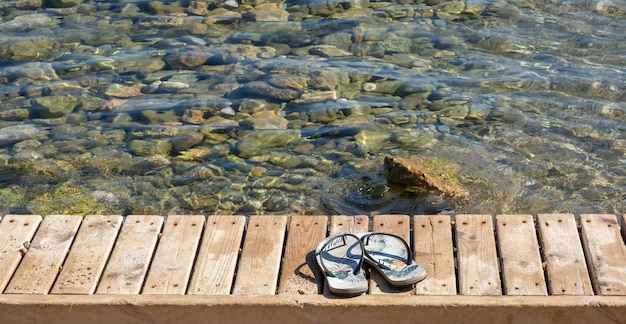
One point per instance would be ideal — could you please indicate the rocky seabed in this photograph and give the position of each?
(254, 106)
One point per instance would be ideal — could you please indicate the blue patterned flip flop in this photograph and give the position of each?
(340, 257)
(392, 257)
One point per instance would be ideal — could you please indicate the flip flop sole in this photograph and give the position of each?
(392, 257)
(340, 257)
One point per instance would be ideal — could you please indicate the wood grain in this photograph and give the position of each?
(42, 262)
(217, 258)
(129, 261)
(566, 270)
(259, 264)
(433, 250)
(88, 256)
(606, 253)
(174, 257)
(522, 271)
(348, 224)
(300, 273)
(16, 233)
(571, 268)
(477, 257)
(286, 309)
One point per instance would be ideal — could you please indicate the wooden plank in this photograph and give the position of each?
(129, 261)
(173, 260)
(41, 264)
(566, 271)
(520, 259)
(259, 264)
(399, 225)
(96, 309)
(433, 250)
(477, 257)
(88, 256)
(16, 232)
(300, 273)
(606, 253)
(217, 258)
(348, 224)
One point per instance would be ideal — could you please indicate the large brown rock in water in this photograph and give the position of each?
(419, 176)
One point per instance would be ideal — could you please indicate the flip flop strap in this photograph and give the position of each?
(365, 241)
(359, 263)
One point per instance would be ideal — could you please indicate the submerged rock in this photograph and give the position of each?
(27, 22)
(424, 176)
(63, 3)
(17, 133)
(27, 49)
(267, 120)
(149, 164)
(121, 91)
(54, 106)
(258, 142)
(372, 141)
(31, 72)
(199, 8)
(186, 140)
(268, 91)
(268, 12)
(149, 147)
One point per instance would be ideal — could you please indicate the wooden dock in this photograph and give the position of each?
(548, 268)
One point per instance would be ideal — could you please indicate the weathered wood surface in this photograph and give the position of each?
(244, 256)
(88, 256)
(479, 272)
(40, 265)
(175, 255)
(300, 273)
(217, 258)
(259, 264)
(606, 253)
(563, 254)
(129, 261)
(434, 251)
(304, 309)
(348, 224)
(522, 271)
(16, 233)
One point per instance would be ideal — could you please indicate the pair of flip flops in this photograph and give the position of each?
(341, 256)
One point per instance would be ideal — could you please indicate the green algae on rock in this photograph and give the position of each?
(70, 200)
(54, 106)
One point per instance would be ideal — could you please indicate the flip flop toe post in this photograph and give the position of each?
(340, 257)
(392, 257)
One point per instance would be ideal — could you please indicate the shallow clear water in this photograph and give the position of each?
(289, 107)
